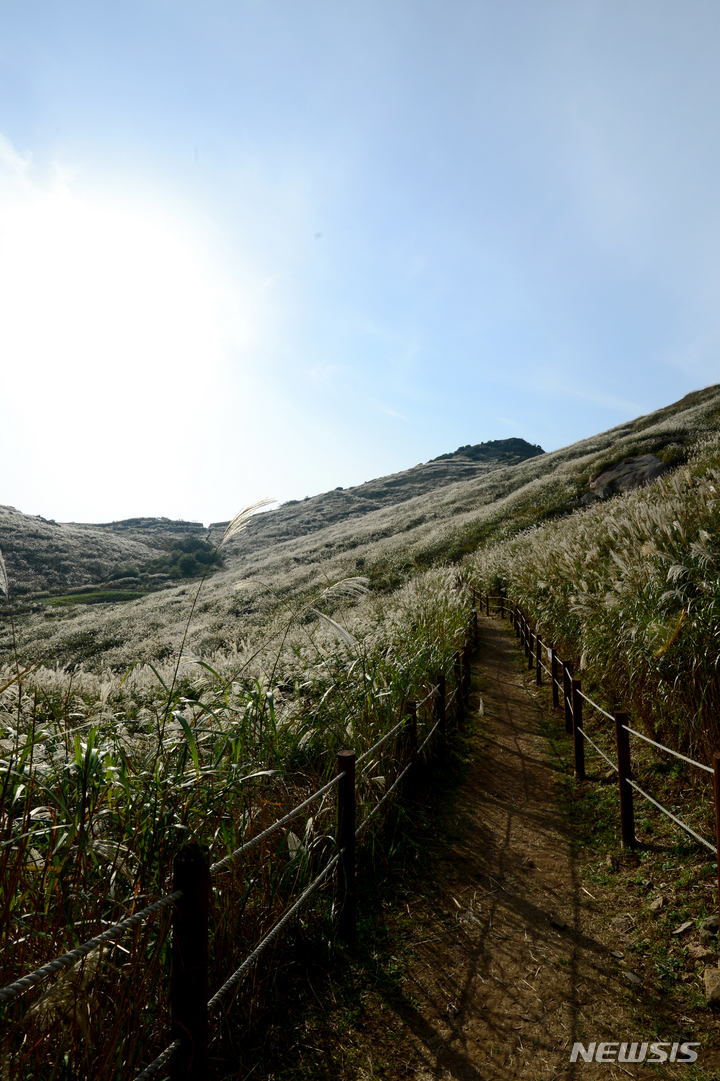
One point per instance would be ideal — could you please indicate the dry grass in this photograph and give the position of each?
(631, 591)
(105, 771)
(270, 569)
(103, 778)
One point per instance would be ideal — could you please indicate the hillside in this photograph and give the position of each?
(298, 518)
(46, 556)
(629, 590)
(384, 529)
(184, 713)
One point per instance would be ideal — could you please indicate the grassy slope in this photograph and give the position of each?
(46, 556)
(284, 556)
(122, 779)
(629, 590)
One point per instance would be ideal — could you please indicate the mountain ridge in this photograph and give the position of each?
(74, 555)
(280, 564)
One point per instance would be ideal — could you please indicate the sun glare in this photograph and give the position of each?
(113, 314)
(101, 295)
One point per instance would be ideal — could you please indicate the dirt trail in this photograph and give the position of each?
(510, 956)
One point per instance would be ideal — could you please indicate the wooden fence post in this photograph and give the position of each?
(189, 973)
(567, 695)
(578, 738)
(467, 652)
(716, 788)
(554, 677)
(412, 746)
(516, 621)
(440, 712)
(531, 650)
(538, 660)
(487, 604)
(627, 813)
(502, 606)
(345, 901)
(459, 703)
(475, 627)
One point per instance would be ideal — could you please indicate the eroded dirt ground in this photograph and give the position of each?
(507, 954)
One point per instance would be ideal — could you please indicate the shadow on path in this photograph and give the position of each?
(505, 974)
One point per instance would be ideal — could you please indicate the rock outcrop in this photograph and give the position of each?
(628, 474)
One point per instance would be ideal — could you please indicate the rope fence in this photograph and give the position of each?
(253, 842)
(428, 696)
(190, 898)
(157, 1064)
(265, 942)
(69, 959)
(428, 737)
(599, 751)
(379, 804)
(609, 715)
(380, 742)
(678, 821)
(667, 750)
(567, 694)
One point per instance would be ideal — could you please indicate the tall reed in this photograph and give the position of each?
(104, 776)
(630, 589)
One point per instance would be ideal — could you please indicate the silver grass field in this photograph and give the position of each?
(208, 713)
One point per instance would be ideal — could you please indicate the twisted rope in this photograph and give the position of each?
(430, 693)
(158, 1063)
(678, 821)
(375, 746)
(601, 753)
(386, 737)
(240, 972)
(428, 737)
(379, 804)
(677, 754)
(69, 959)
(223, 863)
(596, 706)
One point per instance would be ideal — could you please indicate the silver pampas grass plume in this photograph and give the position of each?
(240, 520)
(3, 577)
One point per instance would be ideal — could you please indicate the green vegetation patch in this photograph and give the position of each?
(95, 596)
(187, 558)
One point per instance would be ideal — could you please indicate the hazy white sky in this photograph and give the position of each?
(267, 247)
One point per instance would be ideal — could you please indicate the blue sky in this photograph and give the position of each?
(265, 247)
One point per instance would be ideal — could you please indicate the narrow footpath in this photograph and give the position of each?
(508, 958)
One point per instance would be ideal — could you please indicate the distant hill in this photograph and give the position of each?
(298, 518)
(45, 556)
(507, 451)
(386, 530)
